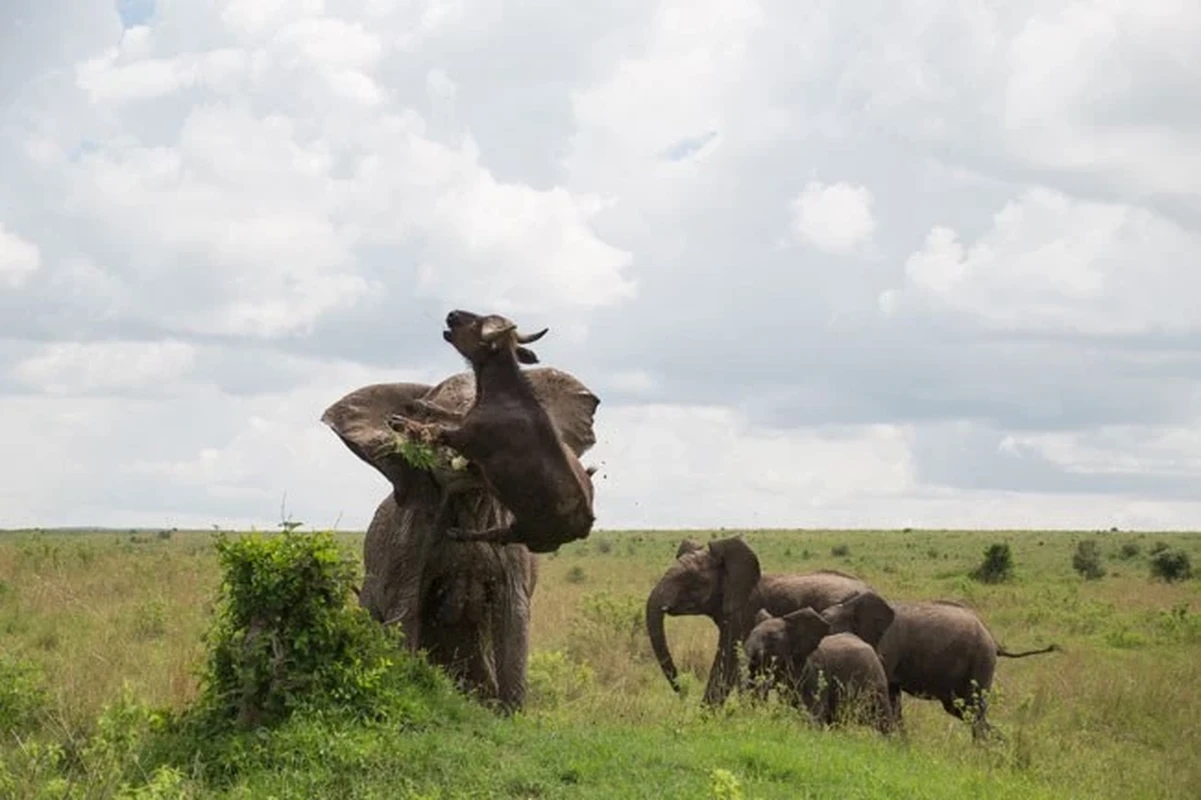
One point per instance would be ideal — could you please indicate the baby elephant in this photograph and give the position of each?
(826, 672)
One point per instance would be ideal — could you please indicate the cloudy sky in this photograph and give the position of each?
(832, 263)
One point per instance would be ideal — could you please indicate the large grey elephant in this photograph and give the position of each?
(723, 582)
(466, 603)
(818, 670)
(936, 650)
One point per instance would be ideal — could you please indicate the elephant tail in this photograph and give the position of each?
(1051, 648)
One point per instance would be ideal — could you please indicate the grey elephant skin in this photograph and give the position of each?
(818, 670)
(937, 650)
(723, 581)
(466, 603)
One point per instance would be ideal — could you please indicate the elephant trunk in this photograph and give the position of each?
(656, 608)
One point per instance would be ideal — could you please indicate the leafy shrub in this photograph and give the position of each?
(1171, 565)
(575, 574)
(284, 637)
(604, 546)
(608, 634)
(840, 550)
(552, 678)
(1158, 547)
(724, 785)
(150, 621)
(997, 566)
(1087, 560)
(22, 695)
(1129, 550)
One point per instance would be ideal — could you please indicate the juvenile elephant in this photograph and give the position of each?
(723, 582)
(466, 603)
(936, 650)
(820, 670)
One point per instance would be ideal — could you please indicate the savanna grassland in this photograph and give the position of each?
(101, 631)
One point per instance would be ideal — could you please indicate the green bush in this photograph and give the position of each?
(1171, 565)
(553, 678)
(284, 636)
(1087, 560)
(997, 566)
(1129, 550)
(840, 550)
(22, 695)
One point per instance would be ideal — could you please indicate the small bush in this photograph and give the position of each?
(1171, 565)
(554, 679)
(1129, 550)
(284, 637)
(997, 566)
(1087, 560)
(840, 550)
(22, 695)
(604, 546)
(575, 574)
(1158, 547)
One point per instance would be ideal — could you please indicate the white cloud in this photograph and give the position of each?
(674, 86)
(836, 218)
(709, 467)
(1079, 79)
(90, 367)
(221, 219)
(18, 258)
(1051, 263)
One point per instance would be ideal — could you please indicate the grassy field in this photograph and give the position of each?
(89, 616)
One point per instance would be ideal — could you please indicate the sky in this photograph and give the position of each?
(865, 263)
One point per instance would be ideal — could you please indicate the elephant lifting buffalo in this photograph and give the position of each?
(467, 603)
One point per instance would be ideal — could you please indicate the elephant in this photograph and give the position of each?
(723, 582)
(938, 650)
(467, 604)
(818, 669)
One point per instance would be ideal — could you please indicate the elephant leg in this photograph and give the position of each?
(969, 707)
(460, 650)
(981, 729)
(510, 624)
(724, 670)
(894, 700)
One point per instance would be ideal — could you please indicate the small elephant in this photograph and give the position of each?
(825, 672)
(936, 650)
(723, 582)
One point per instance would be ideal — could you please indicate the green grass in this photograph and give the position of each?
(532, 757)
(1112, 716)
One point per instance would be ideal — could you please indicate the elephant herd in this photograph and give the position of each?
(466, 603)
(823, 637)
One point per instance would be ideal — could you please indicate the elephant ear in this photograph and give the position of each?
(872, 615)
(740, 572)
(688, 546)
(360, 421)
(762, 616)
(806, 629)
(570, 404)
